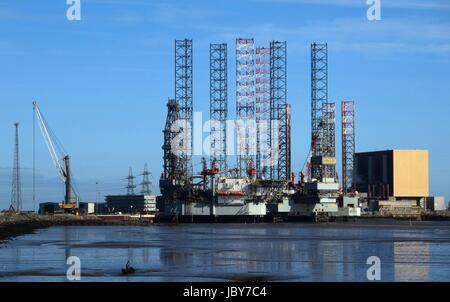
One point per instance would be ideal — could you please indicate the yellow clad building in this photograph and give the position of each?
(410, 173)
(392, 173)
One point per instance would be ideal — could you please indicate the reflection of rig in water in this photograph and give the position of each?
(254, 190)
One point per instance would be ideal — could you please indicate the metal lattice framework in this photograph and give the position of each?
(245, 103)
(288, 138)
(130, 186)
(281, 169)
(16, 190)
(348, 143)
(146, 183)
(329, 139)
(218, 105)
(171, 161)
(183, 96)
(262, 110)
(319, 96)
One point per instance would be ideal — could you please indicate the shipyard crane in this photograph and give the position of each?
(60, 159)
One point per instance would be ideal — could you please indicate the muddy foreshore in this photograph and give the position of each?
(12, 224)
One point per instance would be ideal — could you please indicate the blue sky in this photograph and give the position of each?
(103, 82)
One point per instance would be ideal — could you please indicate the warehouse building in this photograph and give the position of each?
(87, 208)
(131, 203)
(396, 175)
(50, 208)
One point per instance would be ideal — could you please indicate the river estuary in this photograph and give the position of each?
(408, 251)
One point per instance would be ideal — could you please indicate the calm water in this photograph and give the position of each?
(223, 252)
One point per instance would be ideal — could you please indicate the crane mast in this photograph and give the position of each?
(68, 197)
(60, 159)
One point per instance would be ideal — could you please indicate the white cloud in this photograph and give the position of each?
(354, 35)
(402, 4)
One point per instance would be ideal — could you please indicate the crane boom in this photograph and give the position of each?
(49, 142)
(59, 157)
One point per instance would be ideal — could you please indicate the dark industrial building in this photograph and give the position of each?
(402, 174)
(131, 203)
(47, 208)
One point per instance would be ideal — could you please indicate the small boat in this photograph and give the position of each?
(128, 269)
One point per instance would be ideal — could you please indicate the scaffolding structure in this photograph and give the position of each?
(319, 96)
(16, 189)
(184, 99)
(329, 141)
(288, 138)
(262, 111)
(172, 169)
(281, 168)
(245, 104)
(348, 143)
(218, 105)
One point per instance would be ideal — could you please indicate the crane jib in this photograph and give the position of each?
(60, 161)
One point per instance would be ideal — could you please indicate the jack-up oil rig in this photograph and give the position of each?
(260, 185)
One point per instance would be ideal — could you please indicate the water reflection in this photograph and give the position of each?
(295, 252)
(412, 261)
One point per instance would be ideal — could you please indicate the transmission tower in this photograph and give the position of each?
(16, 192)
(319, 96)
(183, 96)
(218, 105)
(262, 111)
(348, 143)
(130, 187)
(245, 103)
(329, 140)
(146, 183)
(281, 169)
